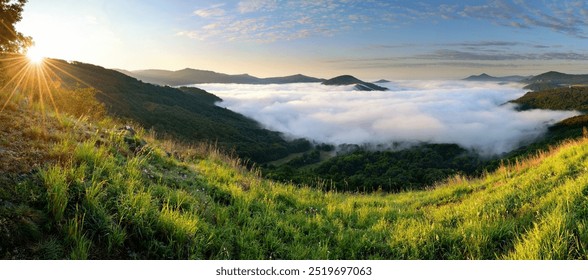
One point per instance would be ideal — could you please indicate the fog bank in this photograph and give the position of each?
(470, 114)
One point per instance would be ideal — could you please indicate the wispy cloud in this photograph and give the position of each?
(321, 17)
(560, 16)
(249, 6)
(214, 11)
(477, 56)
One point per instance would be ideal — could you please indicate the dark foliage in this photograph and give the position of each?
(11, 40)
(563, 98)
(364, 170)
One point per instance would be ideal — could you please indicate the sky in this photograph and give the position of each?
(369, 39)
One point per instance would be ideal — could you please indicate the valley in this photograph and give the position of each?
(284, 149)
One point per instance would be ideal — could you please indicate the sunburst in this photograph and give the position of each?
(31, 76)
(35, 55)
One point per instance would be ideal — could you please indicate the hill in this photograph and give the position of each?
(100, 192)
(193, 76)
(188, 114)
(561, 98)
(350, 80)
(487, 78)
(553, 79)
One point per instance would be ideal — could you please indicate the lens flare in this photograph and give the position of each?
(35, 55)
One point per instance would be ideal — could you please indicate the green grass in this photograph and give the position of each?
(97, 192)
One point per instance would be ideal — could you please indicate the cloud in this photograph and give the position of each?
(249, 6)
(469, 114)
(477, 56)
(214, 11)
(322, 17)
(566, 17)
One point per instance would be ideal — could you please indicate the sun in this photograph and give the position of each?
(35, 55)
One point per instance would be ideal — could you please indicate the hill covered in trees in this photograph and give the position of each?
(186, 113)
(554, 80)
(345, 80)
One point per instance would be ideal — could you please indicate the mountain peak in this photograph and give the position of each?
(344, 80)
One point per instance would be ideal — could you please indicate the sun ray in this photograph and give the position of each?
(53, 65)
(35, 55)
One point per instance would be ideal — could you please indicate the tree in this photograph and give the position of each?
(12, 41)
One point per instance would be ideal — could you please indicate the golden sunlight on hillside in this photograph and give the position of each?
(33, 77)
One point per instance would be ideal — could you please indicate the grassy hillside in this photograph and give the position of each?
(188, 114)
(77, 186)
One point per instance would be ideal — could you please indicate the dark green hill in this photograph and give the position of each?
(193, 76)
(345, 80)
(553, 79)
(187, 113)
(563, 98)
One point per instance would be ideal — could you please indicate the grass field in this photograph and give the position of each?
(83, 188)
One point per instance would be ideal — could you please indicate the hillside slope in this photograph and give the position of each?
(188, 114)
(88, 189)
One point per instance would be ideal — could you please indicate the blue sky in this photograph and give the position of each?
(324, 38)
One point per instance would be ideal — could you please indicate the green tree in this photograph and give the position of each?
(12, 41)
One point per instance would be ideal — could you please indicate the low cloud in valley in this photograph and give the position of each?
(470, 114)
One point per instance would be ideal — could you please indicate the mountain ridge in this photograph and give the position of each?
(554, 79)
(190, 76)
(488, 78)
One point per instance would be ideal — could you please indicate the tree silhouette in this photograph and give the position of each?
(12, 41)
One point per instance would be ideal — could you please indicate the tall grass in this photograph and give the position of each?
(111, 194)
(57, 186)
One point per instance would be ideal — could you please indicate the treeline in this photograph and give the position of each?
(365, 171)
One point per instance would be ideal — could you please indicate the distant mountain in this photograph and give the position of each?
(553, 79)
(345, 80)
(190, 76)
(381, 81)
(487, 78)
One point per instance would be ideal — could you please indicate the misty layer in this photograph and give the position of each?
(470, 114)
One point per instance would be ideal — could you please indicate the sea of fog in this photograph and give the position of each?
(471, 114)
